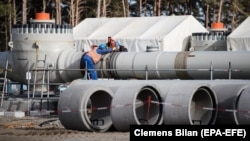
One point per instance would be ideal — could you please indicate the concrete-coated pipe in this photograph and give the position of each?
(86, 108)
(68, 61)
(227, 93)
(177, 65)
(184, 104)
(242, 112)
(133, 105)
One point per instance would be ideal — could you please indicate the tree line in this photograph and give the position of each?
(230, 12)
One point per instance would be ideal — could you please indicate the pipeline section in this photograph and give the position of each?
(77, 108)
(176, 65)
(185, 102)
(64, 64)
(136, 108)
(228, 94)
(242, 106)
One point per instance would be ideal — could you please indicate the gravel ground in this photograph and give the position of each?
(48, 129)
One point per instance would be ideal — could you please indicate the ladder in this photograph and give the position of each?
(43, 75)
(38, 68)
(5, 81)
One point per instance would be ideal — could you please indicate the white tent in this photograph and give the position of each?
(168, 33)
(239, 39)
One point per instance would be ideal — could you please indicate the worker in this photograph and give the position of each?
(103, 47)
(92, 57)
(109, 41)
(115, 45)
(112, 44)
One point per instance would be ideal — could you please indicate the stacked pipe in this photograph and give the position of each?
(155, 102)
(242, 105)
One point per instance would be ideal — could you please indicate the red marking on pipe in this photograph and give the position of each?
(149, 104)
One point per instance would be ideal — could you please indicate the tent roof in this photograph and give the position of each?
(129, 26)
(239, 39)
(137, 28)
(243, 30)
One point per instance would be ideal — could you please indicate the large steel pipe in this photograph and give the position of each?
(65, 64)
(228, 93)
(86, 108)
(185, 101)
(176, 65)
(242, 112)
(133, 105)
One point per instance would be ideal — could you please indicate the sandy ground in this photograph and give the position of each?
(50, 129)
